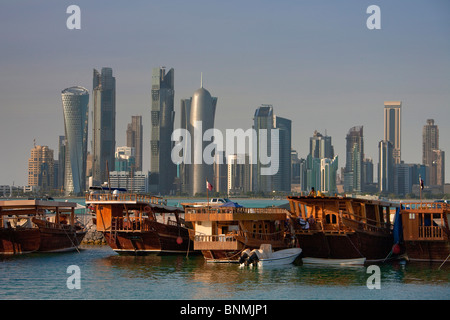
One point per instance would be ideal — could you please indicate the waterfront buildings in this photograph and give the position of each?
(103, 124)
(136, 182)
(134, 139)
(239, 174)
(75, 102)
(163, 170)
(41, 168)
(125, 159)
(393, 127)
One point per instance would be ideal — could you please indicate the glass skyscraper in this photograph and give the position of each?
(393, 127)
(162, 169)
(103, 124)
(75, 102)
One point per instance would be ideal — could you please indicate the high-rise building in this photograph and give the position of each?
(41, 168)
(103, 124)
(320, 146)
(393, 127)
(162, 169)
(353, 174)
(61, 161)
(280, 179)
(239, 174)
(197, 116)
(385, 167)
(328, 171)
(75, 102)
(125, 159)
(432, 157)
(134, 139)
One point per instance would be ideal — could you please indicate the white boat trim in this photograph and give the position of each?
(340, 262)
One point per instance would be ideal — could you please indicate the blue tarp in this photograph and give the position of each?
(398, 227)
(231, 204)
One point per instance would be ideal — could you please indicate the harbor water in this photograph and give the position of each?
(97, 272)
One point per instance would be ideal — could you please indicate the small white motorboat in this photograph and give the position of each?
(265, 256)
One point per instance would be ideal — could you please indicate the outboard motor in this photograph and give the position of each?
(253, 259)
(244, 256)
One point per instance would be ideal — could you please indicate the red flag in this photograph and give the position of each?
(209, 186)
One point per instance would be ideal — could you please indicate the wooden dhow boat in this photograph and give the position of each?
(139, 224)
(38, 225)
(426, 231)
(223, 233)
(342, 230)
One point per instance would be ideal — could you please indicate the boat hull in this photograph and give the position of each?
(160, 239)
(427, 251)
(356, 245)
(19, 241)
(339, 262)
(58, 240)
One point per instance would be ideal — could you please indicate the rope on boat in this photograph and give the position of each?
(444, 262)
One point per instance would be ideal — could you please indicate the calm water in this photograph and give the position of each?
(106, 275)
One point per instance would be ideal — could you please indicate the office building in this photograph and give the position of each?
(162, 169)
(75, 102)
(432, 157)
(393, 127)
(239, 174)
(353, 174)
(103, 124)
(134, 139)
(125, 159)
(41, 168)
(279, 178)
(133, 183)
(385, 167)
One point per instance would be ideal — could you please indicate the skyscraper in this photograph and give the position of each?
(393, 127)
(320, 146)
(41, 168)
(61, 161)
(280, 179)
(432, 157)
(134, 139)
(75, 102)
(385, 167)
(353, 174)
(103, 124)
(162, 169)
(199, 113)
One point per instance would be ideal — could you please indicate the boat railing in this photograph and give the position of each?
(430, 233)
(225, 210)
(125, 197)
(215, 238)
(425, 206)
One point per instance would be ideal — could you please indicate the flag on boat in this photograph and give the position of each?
(421, 183)
(209, 186)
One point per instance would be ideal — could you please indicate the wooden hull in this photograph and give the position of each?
(230, 256)
(427, 251)
(372, 247)
(161, 239)
(57, 240)
(19, 241)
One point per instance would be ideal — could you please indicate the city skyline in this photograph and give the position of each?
(316, 63)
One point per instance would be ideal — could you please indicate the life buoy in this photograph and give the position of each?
(147, 209)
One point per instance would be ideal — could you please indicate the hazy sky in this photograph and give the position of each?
(316, 62)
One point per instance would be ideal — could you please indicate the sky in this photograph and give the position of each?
(316, 62)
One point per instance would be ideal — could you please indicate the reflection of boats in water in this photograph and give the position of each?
(38, 225)
(426, 232)
(222, 233)
(333, 229)
(138, 224)
(265, 256)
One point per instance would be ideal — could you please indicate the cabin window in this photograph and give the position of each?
(331, 218)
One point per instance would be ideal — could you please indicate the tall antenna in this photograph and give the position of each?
(201, 80)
